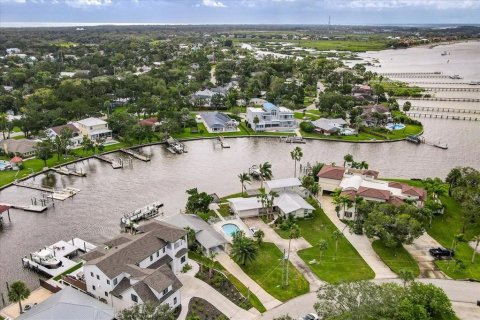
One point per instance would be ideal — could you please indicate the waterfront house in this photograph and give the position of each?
(75, 140)
(271, 118)
(218, 122)
(207, 238)
(137, 268)
(95, 129)
(16, 162)
(375, 115)
(70, 304)
(332, 126)
(24, 148)
(285, 185)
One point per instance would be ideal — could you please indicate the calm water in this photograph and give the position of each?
(107, 194)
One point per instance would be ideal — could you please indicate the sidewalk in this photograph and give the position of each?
(282, 244)
(267, 300)
(360, 243)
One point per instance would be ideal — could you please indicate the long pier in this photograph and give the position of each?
(441, 116)
(431, 82)
(34, 186)
(136, 155)
(439, 109)
(116, 164)
(222, 142)
(67, 172)
(464, 89)
(415, 75)
(441, 99)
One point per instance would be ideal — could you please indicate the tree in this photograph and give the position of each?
(197, 201)
(18, 292)
(406, 275)
(147, 311)
(210, 262)
(87, 144)
(293, 234)
(265, 172)
(191, 237)
(43, 151)
(406, 106)
(244, 178)
(259, 235)
(336, 235)
(256, 121)
(322, 246)
(296, 155)
(453, 179)
(62, 142)
(244, 250)
(435, 187)
(217, 101)
(348, 158)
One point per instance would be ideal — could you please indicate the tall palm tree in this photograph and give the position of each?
(191, 236)
(244, 249)
(265, 172)
(322, 246)
(270, 201)
(337, 235)
(18, 292)
(244, 178)
(296, 155)
(293, 234)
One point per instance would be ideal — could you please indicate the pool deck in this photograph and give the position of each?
(231, 220)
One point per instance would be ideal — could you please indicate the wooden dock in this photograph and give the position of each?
(222, 142)
(293, 139)
(450, 110)
(442, 116)
(464, 89)
(68, 172)
(115, 163)
(432, 75)
(136, 155)
(34, 186)
(441, 99)
(56, 193)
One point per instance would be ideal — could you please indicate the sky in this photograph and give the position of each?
(355, 12)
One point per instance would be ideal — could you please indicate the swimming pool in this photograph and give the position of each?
(395, 126)
(4, 165)
(230, 229)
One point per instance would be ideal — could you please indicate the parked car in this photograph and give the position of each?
(310, 316)
(440, 253)
(254, 230)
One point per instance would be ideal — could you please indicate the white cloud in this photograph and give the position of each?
(392, 4)
(87, 3)
(213, 3)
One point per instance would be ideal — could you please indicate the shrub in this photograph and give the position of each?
(307, 126)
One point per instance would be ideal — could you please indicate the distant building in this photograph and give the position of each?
(332, 126)
(13, 51)
(95, 129)
(219, 122)
(138, 268)
(24, 148)
(271, 118)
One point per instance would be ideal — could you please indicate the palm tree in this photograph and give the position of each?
(435, 187)
(453, 178)
(43, 150)
(87, 144)
(296, 155)
(270, 201)
(244, 178)
(265, 172)
(210, 262)
(244, 250)
(357, 201)
(259, 235)
(18, 292)
(322, 246)
(406, 275)
(3, 123)
(263, 197)
(348, 158)
(294, 234)
(477, 242)
(337, 235)
(363, 165)
(191, 236)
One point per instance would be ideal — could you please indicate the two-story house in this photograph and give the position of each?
(75, 140)
(271, 118)
(138, 268)
(95, 129)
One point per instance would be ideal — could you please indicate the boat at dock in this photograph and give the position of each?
(254, 171)
(175, 146)
(413, 139)
(294, 139)
(147, 212)
(46, 258)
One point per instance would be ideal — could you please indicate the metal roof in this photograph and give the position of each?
(283, 183)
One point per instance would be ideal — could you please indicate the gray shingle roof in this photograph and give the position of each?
(215, 119)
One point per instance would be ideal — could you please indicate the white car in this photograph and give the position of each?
(310, 316)
(254, 230)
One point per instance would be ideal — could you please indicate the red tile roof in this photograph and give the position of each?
(409, 190)
(373, 193)
(396, 201)
(148, 122)
(331, 172)
(16, 159)
(371, 173)
(351, 193)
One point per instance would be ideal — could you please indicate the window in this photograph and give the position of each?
(98, 277)
(91, 273)
(108, 281)
(115, 281)
(151, 257)
(348, 214)
(163, 249)
(93, 287)
(106, 294)
(182, 260)
(175, 300)
(134, 298)
(165, 291)
(158, 254)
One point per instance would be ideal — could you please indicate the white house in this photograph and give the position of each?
(286, 185)
(13, 51)
(271, 118)
(219, 122)
(136, 268)
(94, 128)
(54, 132)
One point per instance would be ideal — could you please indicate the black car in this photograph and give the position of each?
(440, 253)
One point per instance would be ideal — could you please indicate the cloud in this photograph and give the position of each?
(72, 3)
(393, 4)
(213, 3)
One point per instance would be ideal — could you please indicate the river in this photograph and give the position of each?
(106, 194)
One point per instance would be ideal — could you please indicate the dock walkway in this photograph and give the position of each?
(116, 164)
(136, 155)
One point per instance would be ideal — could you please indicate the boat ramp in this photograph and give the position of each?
(175, 146)
(147, 212)
(63, 251)
(136, 155)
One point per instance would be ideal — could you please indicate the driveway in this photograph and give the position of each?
(419, 251)
(282, 244)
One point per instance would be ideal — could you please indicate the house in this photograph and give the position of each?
(332, 126)
(75, 140)
(137, 268)
(13, 51)
(219, 122)
(70, 304)
(271, 118)
(286, 204)
(204, 97)
(329, 177)
(285, 185)
(95, 129)
(149, 122)
(16, 162)
(372, 113)
(362, 89)
(22, 147)
(206, 237)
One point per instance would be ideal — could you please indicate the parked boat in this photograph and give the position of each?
(254, 171)
(46, 258)
(414, 139)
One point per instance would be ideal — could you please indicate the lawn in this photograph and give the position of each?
(224, 210)
(396, 258)
(255, 302)
(266, 270)
(347, 266)
(344, 45)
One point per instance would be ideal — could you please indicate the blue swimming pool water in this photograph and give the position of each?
(396, 126)
(3, 164)
(230, 229)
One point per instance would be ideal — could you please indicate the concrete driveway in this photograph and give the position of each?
(419, 251)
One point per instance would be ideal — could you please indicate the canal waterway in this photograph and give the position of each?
(106, 194)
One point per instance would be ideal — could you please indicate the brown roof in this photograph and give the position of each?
(3, 208)
(396, 201)
(92, 255)
(331, 172)
(371, 173)
(409, 190)
(148, 122)
(58, 129)
(351, 193)
(117, 241)
(374, 108)
(373, 193)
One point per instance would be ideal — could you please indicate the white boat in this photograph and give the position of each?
(46, 258)
(254, 171)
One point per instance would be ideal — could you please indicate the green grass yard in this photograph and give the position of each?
(396, 258)
(266, 270)
(346, 266)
